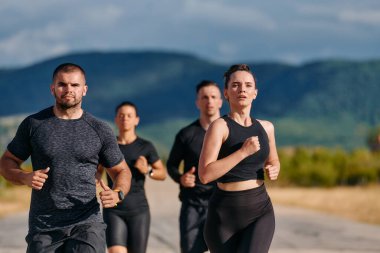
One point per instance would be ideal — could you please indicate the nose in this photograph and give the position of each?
(242, 89)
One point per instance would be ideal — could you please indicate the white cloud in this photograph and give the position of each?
(219, 30)
(229, 14)
(32, 45)
(366, 17)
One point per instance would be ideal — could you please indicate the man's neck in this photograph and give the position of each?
(71, 113)
(206, 120)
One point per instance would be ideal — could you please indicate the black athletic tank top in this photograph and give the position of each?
(252, 167)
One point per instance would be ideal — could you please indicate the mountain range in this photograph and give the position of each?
(330, 102)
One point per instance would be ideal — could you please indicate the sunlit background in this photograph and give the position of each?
(318, 64)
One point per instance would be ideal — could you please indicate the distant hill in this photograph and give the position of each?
(331, 102)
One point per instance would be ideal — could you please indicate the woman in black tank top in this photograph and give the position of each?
(237, 151)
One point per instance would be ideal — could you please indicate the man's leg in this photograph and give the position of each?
(46, 242)
(192, 219)
(87, 238)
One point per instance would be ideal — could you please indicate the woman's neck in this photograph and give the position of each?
(242, 117)
(126, 137)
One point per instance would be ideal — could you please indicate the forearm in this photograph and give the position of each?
(158, 171)
(173, 172)
(12, 171)
(122, 181)
(274, 162)
(216, 169)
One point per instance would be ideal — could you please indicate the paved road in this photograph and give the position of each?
(297, 231)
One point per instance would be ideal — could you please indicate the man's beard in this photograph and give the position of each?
(67, 105)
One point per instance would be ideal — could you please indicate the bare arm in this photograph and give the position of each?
(272, 164)
(121, 177)
(158, 171)
(99, 173)
(10, 169)
(210, 168)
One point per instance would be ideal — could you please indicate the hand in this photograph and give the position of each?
(108, 197)
(188, 179)
(36, 179)
(251, 145)
(142, 165)
(272, 171)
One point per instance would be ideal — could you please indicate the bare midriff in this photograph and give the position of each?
(241, 185)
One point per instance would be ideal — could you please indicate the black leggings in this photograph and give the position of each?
(130, 231)
(240, 221)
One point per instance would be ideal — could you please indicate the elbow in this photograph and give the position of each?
(203, 177)
(2, 168)
(162, 177)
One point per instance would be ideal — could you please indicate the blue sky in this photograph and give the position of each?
(292, 31)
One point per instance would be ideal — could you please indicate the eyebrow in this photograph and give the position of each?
(67, 83)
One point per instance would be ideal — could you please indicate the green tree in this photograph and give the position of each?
(373, 139)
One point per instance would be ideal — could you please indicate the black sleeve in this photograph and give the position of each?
(175, 157)
(20, 145)
(110, 154)
(152, 155)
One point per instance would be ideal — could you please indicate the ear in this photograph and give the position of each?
(52, 89)
(225, 94)
(255, 93)
(85, 90)
(220, 103)
(197, 103)
(137, 120)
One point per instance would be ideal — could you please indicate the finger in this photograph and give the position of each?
(142, 159)
(103, 185)
(45, 170)
(37, 185)
(108, 204)
(192, 170)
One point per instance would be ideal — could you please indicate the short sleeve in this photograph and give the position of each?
(110, 154)
(20, 145)
(152, 155)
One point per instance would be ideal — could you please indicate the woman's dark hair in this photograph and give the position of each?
(233, 69)
(126, 103)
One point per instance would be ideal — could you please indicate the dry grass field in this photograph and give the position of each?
(14, 199)
(355, 203)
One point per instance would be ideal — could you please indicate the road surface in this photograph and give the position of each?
(297, 230)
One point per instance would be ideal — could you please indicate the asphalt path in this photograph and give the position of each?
(297, 230)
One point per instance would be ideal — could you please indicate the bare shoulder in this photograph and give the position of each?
(218, 128)
(218, 124)
(268, 126)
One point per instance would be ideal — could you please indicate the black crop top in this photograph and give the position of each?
(252, 167)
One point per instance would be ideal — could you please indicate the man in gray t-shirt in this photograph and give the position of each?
(66, 144)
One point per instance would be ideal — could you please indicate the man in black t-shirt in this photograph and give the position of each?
(187, 147)
(66, 144)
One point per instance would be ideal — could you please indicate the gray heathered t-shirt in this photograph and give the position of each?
(72, 149)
